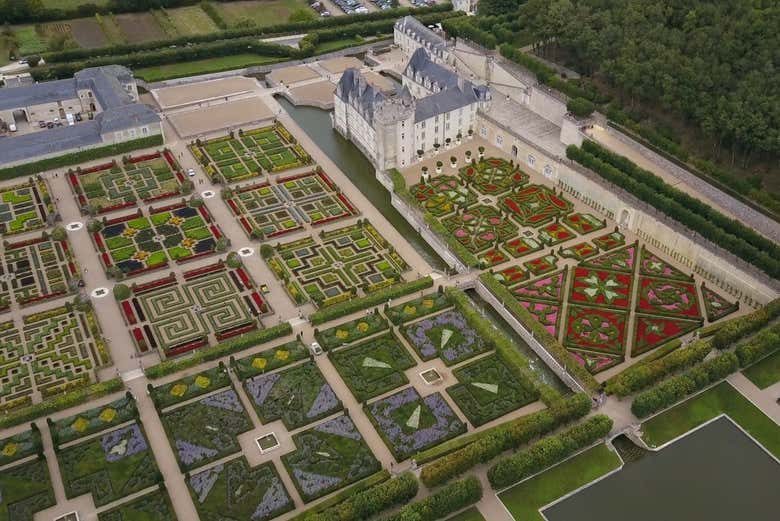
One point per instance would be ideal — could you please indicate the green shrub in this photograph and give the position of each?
(674, 389)
(544, 337)
(760, 346)
(739, 327)
(80, 157)
(59, 403)
(378, 297)
(548, 451)
(453, 497)
(580, 107)
(220, 350)
(489, 444)
(121, 292)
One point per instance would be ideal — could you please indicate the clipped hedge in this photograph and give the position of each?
(548, 451)
(453, 497)
(643, 375)
(674, 389)
(59, 403)
(544, 337)
(765, 343)
(739, 327)
(353, 505)
(228, 347)
(80, 157)
(511, 356)
(489, 444)
(729, 234)
(373, 299)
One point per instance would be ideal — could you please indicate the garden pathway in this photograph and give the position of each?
(764, 399)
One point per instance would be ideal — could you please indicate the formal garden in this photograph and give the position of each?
(335, 265)
(37, 269)
(133, 244)
(269, 359)
(448, 336)
(487, 389)
(124, 184)
(57, 350)
(417, 308)
(111, 466)
(374, 366)
(205, 430)
(25, 207)
(26, 489)
(91, 421)
(351, 331)
(249, 153)
(234, 490)
(154, 506)
(209, 304)
(409, 423)
(328, 457)
(188, 387)
(20, 446)
(297, 396)
(271, 209)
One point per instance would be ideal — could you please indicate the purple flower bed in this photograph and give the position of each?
(226, 400)
(310, 483)
(275, 498)
(203, 482)
(445, 424)
(341, 426)
(259, 387)
(123, 443)
(190, 453)
(425, 336)
(326, 401)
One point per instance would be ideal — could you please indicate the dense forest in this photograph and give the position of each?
(715, 62)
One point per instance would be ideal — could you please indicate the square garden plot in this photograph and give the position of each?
(206, 430)
(20, 446)
(178, 317)
(447, 336)
(136, 243)
(480, 227)
(328, 457)
(351, 331)
(373, 367)
(487, 389)
(442, 195)
(189, 387)
(268, 210)
(155, 506)
(114, 185)
(110, 467)
(419, 307)
(24, 490)
(493, 176)
(25, 207)
(409, 423)
(57, 349)
(93, 420)
(535, 205)
(38, 269)
(298, 396)
(242, 156)
(333, 266)
(234, 490)
(270, 359)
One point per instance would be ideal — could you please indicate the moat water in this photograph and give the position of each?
(715, 474)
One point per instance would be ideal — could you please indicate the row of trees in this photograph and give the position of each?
(34, 11)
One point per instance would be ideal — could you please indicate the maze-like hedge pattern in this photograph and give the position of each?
(24, 207)
(57, 350)
(270, 210)
(118, 185)
(442, 195)
(494, 176)
(248, 154)
(37, 269)
(535, 205)
(334, 266)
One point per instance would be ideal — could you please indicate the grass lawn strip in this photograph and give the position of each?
(328, 457)
(721, 399)
(765, 372)
(373, 367)
(524, 500)
(472, 514)
(206, 430)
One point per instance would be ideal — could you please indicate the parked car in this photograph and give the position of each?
(12, 127)
(49, 125)
(41, 124)
(315, 349)
(191, 172)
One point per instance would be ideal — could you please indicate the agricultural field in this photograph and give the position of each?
(26, 489)
(113, 186)
(155, 506)
(258, 12)
(373, 367)
(207, 304)
(239, 491)
(25, 207)
(409, 423)
(111, 466)
(139, 27)
(298, 396)
(136, 243)
(447, 336)
(36, 270)
(191, 20)
(205, 430)
(87, 33)
(267, 210)
(328, 457)
(57, 350)
(248, 154)
(333, 266)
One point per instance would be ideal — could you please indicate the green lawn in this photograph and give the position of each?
(223, 63)
(70, 4)
(335, 45)
(192, 20)
(722, 398)
(766, 372)
(30, 42)
(525, 500)
(472, 514)
(261, 13)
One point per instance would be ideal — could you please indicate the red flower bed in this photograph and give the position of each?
(72, 178)
(237, 331)
(211, 268)
(512, 275)
(293, 177)
(170, 159)
(159, 283)
(215, 231)
(161, 196)
(124, 218)
(22, 244)
(244, 278)
(205, 213)
(97, 168)
(493, 257)
(347, 203)
(168, 208)
(72, 268)
(180, 177)
(651, 332)
(324, 220)
(245, 224)
(599, 329)
(326, 179)
(233, 206)
(147, 269)
(138, 335)
(128, 313)
(277, 233)
(190, 258)
(252, 187)
(259, 302)
(40, 298)
(115, 207)
(186, 348)
(147, 157)
(601, 288)
(668, 297)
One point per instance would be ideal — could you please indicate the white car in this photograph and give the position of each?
(191, 172)
(315, 349)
